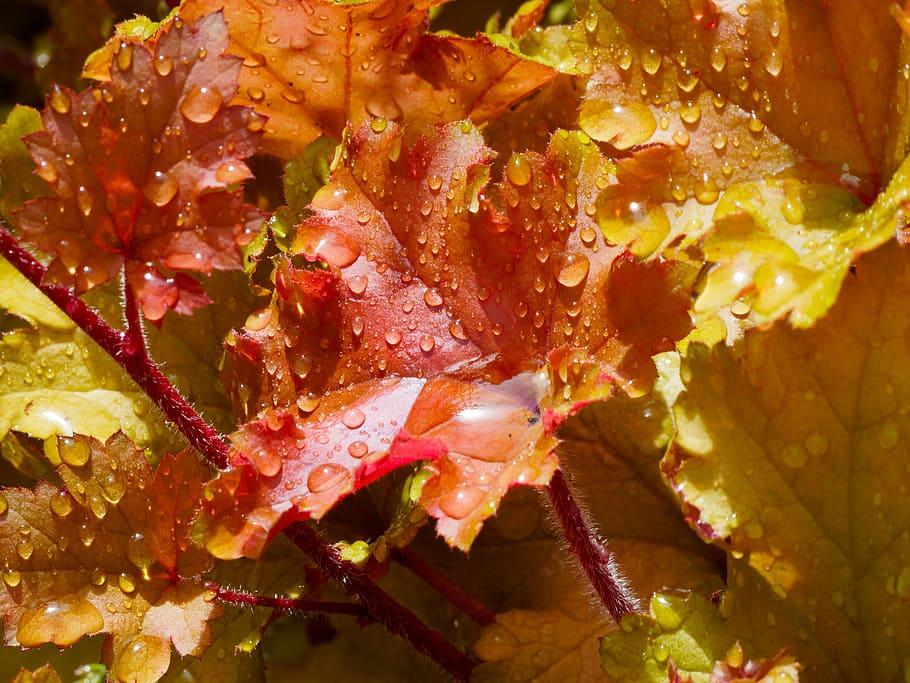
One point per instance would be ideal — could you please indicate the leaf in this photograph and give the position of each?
(768, 58)
(45, 674)
(418, 251)
(17, 179)
(612, 449)
(54, 381)
(144, 169)
(685, 634)
(791, 454)
(315, 68)
(107, 554)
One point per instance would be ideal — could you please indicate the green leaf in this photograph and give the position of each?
(18, 181)
(792, 453)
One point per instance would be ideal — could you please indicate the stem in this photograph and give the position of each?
(591, 551)
(238, 598)
(395, 617)
(133, 318)
(213, 448)
(452, 592)
(201, 435)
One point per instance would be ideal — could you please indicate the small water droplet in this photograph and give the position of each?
(518, 170)
(161, 189)
(73, 450)
(353, 418)
(59, 100)
(460, 502)
(358, 449)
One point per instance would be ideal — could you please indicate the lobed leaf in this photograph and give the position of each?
(144, 168)
(314, 68)
(107, 553)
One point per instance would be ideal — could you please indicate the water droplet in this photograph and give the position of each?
(326, 477)
(774, 63)
(650, 61)
(379, 124)
(392, 337)
(141, 655)
(4, 505)
(666, 614)
(25, 549)
(59, 100)
(434, 181)
(73, 450)
(307, 403)
(574, 270)
(330, 197)
(47, 171)
(358, 449)
(427, 343)
(61, 504)
(817, 443)
(889, 434)
(432, 298)
(164, 65)
(125, 57)
(459, 503)
(12, 578)
(161, 189)
(140, 554)
(518, 170)
(357, 284)
(353, 418)
(621, 125)
(126, 583)
(795, 455)
(61, 622)
(258, 320)
(98, 577)
(718, 59)
(201, 104)
(230, 173)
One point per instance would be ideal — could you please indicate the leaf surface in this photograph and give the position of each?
(143, 170)
(315, 67)
(791, 453)
(105, 554)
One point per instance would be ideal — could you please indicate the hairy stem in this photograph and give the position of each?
(590, 550)
(133, 319)
(201, 435)
(213, 448)
(396, 618)
(450, 591)
(239, 598)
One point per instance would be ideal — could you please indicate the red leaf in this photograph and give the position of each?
(143, 170)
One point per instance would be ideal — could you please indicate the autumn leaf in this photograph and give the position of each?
(18, 181)
(314, 68)
(107, 553)
(416, 249)
(790, 454)
(44, 674)
(144, 168)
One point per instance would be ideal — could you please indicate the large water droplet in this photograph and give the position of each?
(326, 477)
(460, 502)
(353, 418)
(61, 504)
(573, 270)
(518, 170)
(161, 188)
(621, 125)
(201, 104)
(74, 451)
(61, 622)
(59, 100)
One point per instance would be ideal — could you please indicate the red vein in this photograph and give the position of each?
(284, 605)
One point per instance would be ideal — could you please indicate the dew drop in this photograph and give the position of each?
(574, 270)
(621, 125)
(460, 502)
(358, 449)
(61, 622)
(201, 104)
(432, 298)
(230, 173)
(73, 451)
(164, 65)
(795, 455)
(326, 477)
(817, 443)
(125, 57)
(61, 504)
(258, 320)
(665, 613)
(161, 189)
(47, 171)
(392, 337)
(126, 583)
(427, 343)
(12, 578)
(141, 655)
(518, 170)
(353, 418)
(330, 197)
(59, 100)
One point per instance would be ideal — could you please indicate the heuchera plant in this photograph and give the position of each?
(339, 347)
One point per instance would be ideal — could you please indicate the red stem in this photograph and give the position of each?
(452, 592)
(122, 348)
(134, 359)
(591, 551)
(238, 598)
(395, 617)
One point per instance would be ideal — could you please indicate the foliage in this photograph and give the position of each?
(652, 247)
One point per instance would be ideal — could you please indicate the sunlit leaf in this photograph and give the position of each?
(144, 168)
(314, 68)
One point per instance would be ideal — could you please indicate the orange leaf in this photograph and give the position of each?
(314, 67)
(143, 170)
